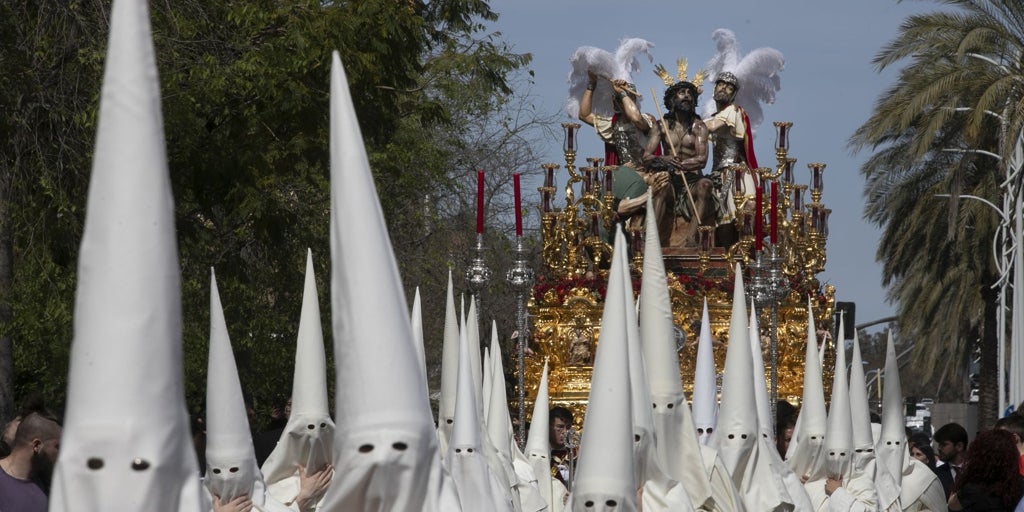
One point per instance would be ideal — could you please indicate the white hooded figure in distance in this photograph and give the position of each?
(891, 452)
(449, 370)
(659, 491)
(305, 447)
(416, 319)
(805, 456)
(737, 433)
(605, 475)
(791, 489)
(708, 484)
(126, 444)
(385, 444)
(232, 474)
(833, 493)
(862, 466)
(705, 384)
(499, 430)
(498, 460)
(477, 485)
(918, 487)
(538, 449)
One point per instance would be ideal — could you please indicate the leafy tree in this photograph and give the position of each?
(245, 107)
(943, 130)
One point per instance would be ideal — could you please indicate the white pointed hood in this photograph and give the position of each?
(737, 431)
(860, 413)
(656, 325)
(231, 468)
(660, 492)
(604, 477)
(777, 477)
(466, 461)
(449, 370)
(385, 443)
(475, 349)
(678, 446)
(499, 421)
(645, 459)
(499, 463)
(805, 452)
(839, 436)
(486, 387)
(416, 318)
(538, 448)
(705, 383)
(891, 451)
(126, 444)
(308, 437)
(765, 424)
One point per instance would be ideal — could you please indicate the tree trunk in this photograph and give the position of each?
(988, 385)
(6, 277)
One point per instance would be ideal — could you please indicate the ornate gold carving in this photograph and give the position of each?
(567, 301)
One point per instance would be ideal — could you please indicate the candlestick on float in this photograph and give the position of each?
(521, 278)
(479, 202)
(477, 273)
(787, 174)
(758, 219)
(773, 214)
(548, 190)
(817, 182)
(798, 198)
(518, 205)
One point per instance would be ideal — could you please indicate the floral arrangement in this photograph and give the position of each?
(699, 285)
(563, 286)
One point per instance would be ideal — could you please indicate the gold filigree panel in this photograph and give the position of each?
(567, 324)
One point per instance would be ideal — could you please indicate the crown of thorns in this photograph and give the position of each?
(698, 77)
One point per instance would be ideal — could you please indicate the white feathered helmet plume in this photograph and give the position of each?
(756, 72)
(609, 66)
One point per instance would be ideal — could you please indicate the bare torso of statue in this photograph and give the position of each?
(683, 139)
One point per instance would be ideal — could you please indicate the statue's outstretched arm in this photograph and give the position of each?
(586, 114)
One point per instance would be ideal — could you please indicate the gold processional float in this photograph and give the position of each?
(565, 303)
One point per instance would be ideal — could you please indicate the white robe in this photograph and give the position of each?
(921, 489)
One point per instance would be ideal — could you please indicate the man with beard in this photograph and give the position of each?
(733, 145)
(626, 134)
(951, 440)
(25, 473)
(683, 140)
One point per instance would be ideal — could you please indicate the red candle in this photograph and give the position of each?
(519, 208)
(758, 219)
(774, 212)
(479, 202)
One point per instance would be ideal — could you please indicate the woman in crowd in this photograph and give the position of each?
(989, 481)
(920, 446)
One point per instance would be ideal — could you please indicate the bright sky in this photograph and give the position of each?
(828, 89)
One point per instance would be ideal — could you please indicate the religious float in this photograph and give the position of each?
(780, 248)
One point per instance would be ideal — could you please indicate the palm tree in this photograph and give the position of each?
(943, 129)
